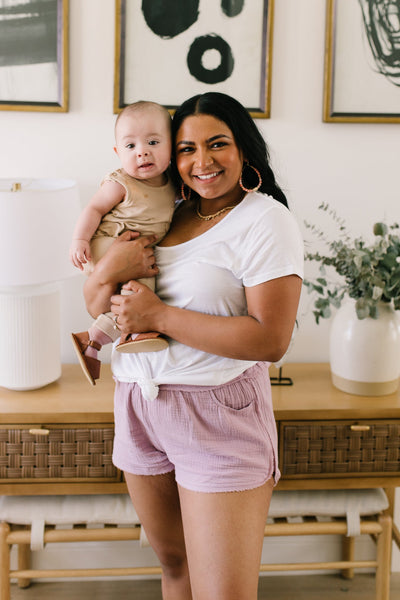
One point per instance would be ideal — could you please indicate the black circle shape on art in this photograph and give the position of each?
(232, 8)
(168, 18)
(198, 48)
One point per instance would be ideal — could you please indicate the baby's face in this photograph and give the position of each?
(143, 144)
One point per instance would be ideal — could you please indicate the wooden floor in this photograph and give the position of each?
(304, 587)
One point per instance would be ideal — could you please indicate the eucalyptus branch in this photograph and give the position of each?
(368, 273)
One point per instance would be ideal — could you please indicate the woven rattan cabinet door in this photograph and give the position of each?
(57, 453)
(339, 448)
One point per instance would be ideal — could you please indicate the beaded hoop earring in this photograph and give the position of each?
(183, 192)
(257, 187)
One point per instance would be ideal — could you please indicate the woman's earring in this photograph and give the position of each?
(257, 187)
(183, 192)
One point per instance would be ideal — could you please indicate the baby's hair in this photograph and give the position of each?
(143, 105)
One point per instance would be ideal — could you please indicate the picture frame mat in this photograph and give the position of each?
(172, 83)
(354, 90)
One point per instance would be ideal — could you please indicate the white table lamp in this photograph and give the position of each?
(37, 217)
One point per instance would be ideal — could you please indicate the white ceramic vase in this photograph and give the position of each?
(365, 353)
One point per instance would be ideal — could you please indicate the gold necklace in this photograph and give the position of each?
(209, 217)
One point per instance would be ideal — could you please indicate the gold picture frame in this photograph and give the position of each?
(180, 46)
(34, 56)
(360, 86)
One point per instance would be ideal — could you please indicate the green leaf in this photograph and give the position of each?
(373, 311)
(326, 313)
(362, 313)
(317, 316)
(380, 229)
(321, 303)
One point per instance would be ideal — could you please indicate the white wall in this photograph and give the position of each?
(352, 166)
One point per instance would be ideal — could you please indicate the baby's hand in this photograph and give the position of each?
(79, 253)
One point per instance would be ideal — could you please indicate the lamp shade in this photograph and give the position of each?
(36, 225)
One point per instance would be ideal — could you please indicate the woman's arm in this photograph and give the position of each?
(127, 258)
(264, 334)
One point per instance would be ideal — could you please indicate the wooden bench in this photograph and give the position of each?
(31, 521)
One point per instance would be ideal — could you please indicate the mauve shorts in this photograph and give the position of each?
(216, 438)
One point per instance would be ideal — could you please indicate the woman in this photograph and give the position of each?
(195, 433)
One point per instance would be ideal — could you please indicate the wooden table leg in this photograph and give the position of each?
(4, 562)
(348, 554)
(24, 563)
(391, 493)
(384, 548)
(396, 535)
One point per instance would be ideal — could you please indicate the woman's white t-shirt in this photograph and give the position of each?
(257, 241)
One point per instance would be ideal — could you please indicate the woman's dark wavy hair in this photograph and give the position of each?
(247, 136)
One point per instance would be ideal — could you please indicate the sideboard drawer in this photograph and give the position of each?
(342, 448)
(57, 453)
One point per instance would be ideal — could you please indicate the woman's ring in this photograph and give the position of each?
(116, 322)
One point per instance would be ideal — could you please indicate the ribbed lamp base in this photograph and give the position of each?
(29, 336)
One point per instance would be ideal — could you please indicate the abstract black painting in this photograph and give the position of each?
(169, 50)
(362, 61)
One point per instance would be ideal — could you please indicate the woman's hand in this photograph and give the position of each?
(138, 311)
(129, 257)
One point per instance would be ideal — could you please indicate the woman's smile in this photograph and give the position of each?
(209, 160)
(208, 176)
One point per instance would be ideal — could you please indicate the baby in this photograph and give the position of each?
(137, 197)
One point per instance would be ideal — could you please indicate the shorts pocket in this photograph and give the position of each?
(236, 396)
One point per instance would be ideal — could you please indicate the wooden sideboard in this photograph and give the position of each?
(58, 439)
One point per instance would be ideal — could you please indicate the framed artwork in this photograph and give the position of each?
(169, 50)
(34, 55)
(362, 61)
